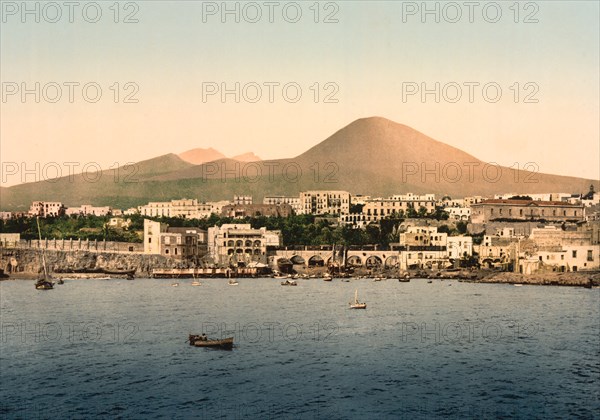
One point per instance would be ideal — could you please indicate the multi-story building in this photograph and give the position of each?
(281, 199)
(424, 246)
(375, 209)
(185, 208)
(46, 209)
(423, 236)
(175, 242)
(236, 244)
(242, 199)
(469, 201)
(458, 213)
(526, 210)
(325, 202)
(88, 210)
(254, 210)
(156, 209)
(359, 199)
(459, 246)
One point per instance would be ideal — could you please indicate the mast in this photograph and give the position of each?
(37, 220)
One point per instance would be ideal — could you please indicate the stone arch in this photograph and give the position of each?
(297, 259)
(373, 261)
(391, 261)
(354, 261)
(316, 261)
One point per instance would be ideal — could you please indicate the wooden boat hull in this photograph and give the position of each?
(225, 343)
(44, 285)
(358, 306)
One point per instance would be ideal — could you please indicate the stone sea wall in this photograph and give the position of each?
(29, 261)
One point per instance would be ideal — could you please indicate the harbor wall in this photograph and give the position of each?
(29, 261)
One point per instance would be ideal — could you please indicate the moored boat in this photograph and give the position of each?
(233, 282)
(289, 283)
(45, 281)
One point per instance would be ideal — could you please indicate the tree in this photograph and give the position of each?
(461, 227)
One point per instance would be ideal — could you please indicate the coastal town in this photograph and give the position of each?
(423, 235)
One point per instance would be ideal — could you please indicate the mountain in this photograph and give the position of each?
(246, 157)
(373, 156)
(122, 187)
(199, 155)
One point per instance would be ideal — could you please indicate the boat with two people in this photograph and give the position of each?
(203, 341)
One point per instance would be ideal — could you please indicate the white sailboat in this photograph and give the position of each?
(356, 304)
(44, 282)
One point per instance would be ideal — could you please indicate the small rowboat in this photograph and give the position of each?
(289, 283)
(203, 341)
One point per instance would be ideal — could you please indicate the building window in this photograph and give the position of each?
(149, 240)
(574, 253)
(590, 256)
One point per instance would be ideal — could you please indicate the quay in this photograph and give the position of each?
(210, 272)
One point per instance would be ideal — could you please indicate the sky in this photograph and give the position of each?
(107, 83)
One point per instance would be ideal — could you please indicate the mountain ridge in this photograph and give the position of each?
(373, 156)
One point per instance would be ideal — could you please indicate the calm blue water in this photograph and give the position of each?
(116, 349)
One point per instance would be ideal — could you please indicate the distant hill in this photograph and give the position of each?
(372, 156)
(199, 155)
(247, 157)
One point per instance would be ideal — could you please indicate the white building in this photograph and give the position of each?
(242, 199)
(458, 213)
(88, 210)
(335, 203)
(46, 209)
(175, 242)
(235, 244)
(459, 246)
(185, 208)
(294, 202)
(376, 209)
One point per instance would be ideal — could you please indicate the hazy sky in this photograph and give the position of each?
(547, 71)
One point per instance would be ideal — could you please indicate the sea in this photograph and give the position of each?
(117, 349)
